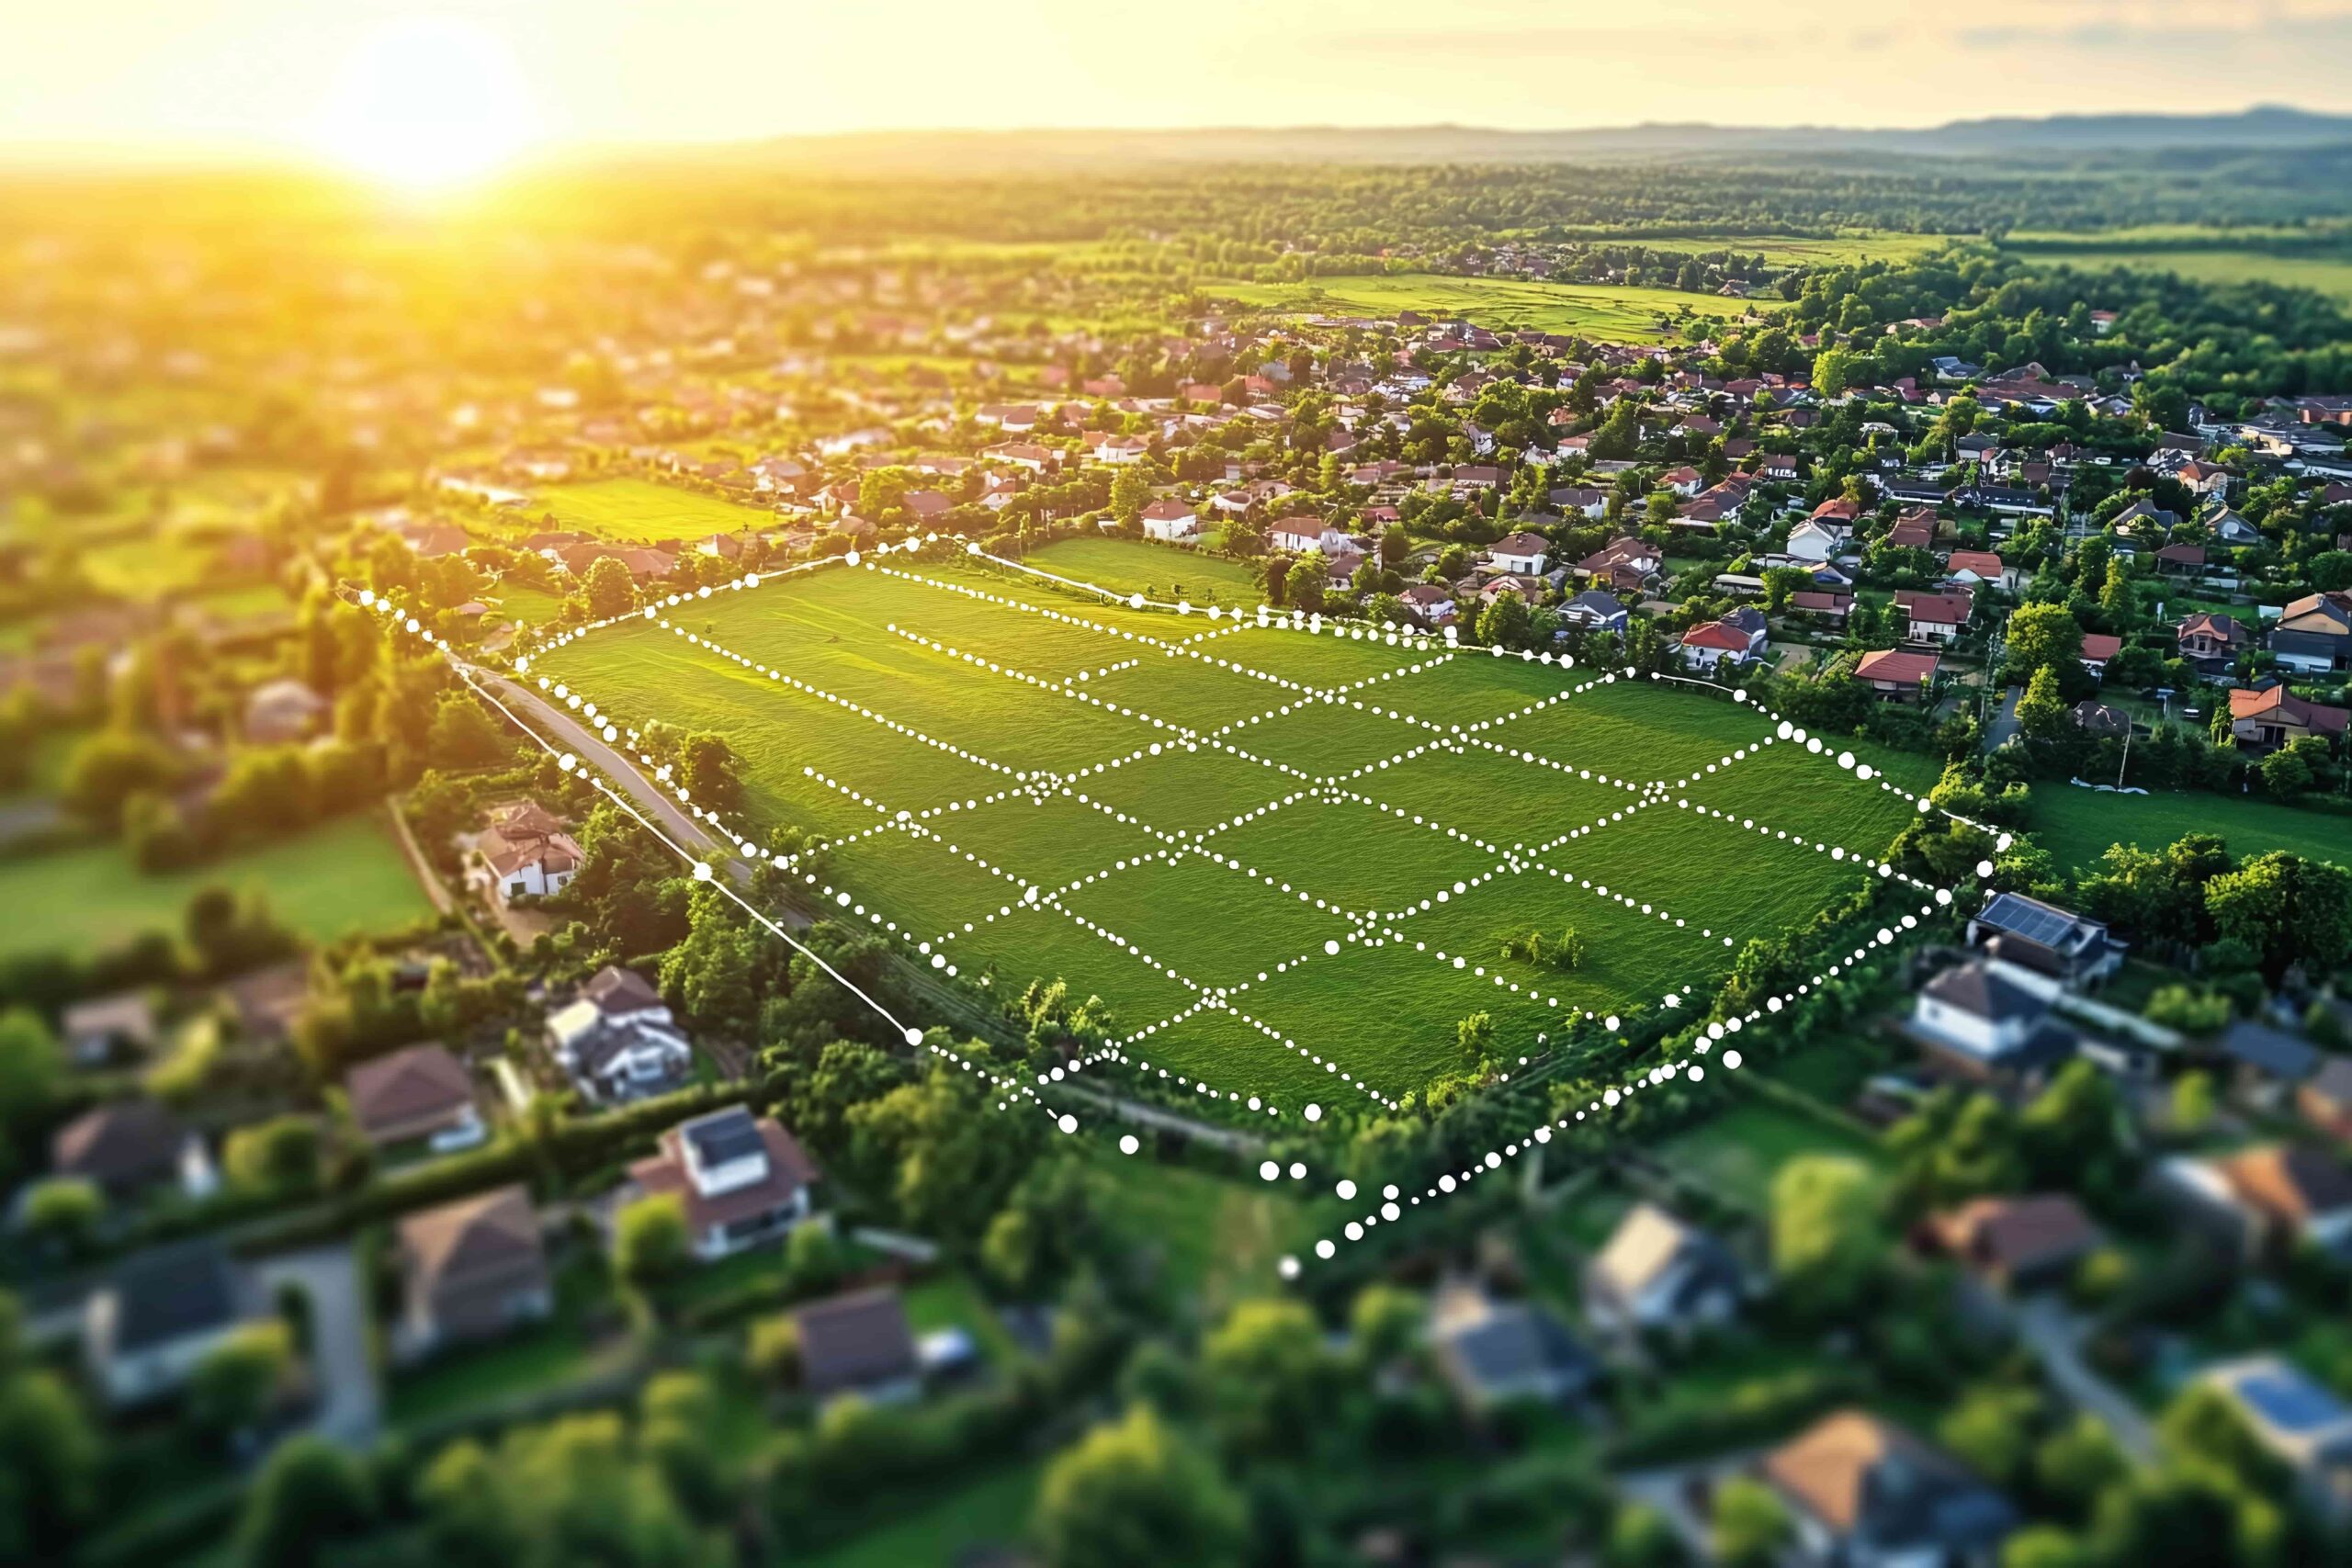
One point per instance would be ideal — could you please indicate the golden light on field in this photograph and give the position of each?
(426, 105)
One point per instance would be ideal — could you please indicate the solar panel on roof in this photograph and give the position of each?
(2290, 1402)
(2033, 922)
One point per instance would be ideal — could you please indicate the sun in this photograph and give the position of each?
(426, 105)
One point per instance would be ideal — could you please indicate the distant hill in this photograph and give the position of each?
(2267, 126)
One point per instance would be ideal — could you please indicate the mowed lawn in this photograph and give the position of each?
(342, 877)
(2077, 825)
(1592, 309)
(630, 509)
(1157, 571)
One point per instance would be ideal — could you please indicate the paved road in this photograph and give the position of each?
(560, 726)
(2004, 728)
(351, 1407)
(2055, 1337)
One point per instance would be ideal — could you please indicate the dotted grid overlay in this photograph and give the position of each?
(1367, 928)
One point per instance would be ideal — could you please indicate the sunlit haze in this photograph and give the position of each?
(424, 95)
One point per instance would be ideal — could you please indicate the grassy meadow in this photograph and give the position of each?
(642, 510)
(1158, 808)
(1591, 310)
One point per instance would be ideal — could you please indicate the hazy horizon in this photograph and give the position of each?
(451, 90)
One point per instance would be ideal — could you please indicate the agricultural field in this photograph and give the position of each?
(637, 510)
(1592, 309)
(1290, 862)
(1157, 571)
(2324, 274)
(1790, 250)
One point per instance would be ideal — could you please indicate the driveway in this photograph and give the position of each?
(351, 1407)
(2054, 1335)
(2004, 728)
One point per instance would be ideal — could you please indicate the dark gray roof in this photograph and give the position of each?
(723, 1136)
(164, 1296)
(854, 1341)
(615, 989)
(2268, 1050)
(2035, 921)
(1974, 988)
(1513, 1340)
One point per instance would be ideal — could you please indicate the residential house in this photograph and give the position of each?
(1518, 553)
(1896, 677)
(1685, 481)
(1935, 618)
(617, 1040)
(1863, 1492)
(1975, 1022)
(2211, 641)
(2313, 634)
(1492, 1353)
(1169, 520)
(1720, 642)
(860, 1343)
(1975, 568)
(743, 1181)
(2181, 560)
(1595, 611)
(1829, 605)
(126, 1146)
(471, 1269)
(163, 1311)
(2325, 1097)
(416, 1094)
(2097, 648)
(2046, 939)
(1433, 603)
(1625, 564)
(1912, 530)
(2017, 1244)
(94, 1031)
(2267, 716)
(1816, 540)
(1657, 1273)
(282, 711)
(525, 851)
(2093, 717)
(2300, 1423)
(2266, 1201)
(1590, 500)
(2266, 1066)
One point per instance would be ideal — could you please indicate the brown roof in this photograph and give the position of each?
(117, 1146)
(508, 854)
(2018, 1234)
(1899, 669)
(789, 1170)
(1938, 609)
(2279, 702)
(1828, 1469)
(495, 1232)
(391, 1095)
(2287, 1183)
(854, 1340)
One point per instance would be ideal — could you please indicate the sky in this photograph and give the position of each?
(453, 86)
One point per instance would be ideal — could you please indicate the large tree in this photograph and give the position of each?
(1133, 1491)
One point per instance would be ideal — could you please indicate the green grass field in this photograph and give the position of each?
(342, 876)
(1790, 250)
(1164, 571)
(1314, 848)
(2077, 825)
(2329, 275)
(641, 509)
(1595, 310)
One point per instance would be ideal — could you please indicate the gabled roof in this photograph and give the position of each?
(1866, 1479)
(491, 1232)
(411, 1082)
(2018, 1234)
(854, 1341)
(116, 1144)
(162, 1296)
(615, 989)
(1895, 667)
(2270, 1051)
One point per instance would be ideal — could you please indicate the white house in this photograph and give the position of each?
(618, 1041)
(1521, 554)
(1433, 603)
(1815, 540)
(1118, 449)
(525, 850)
(741, 1180)
(1172, 521)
